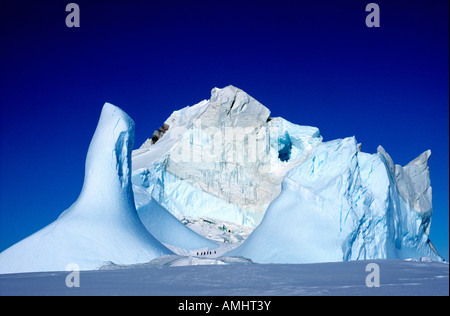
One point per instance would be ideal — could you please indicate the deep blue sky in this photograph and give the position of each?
(312, 62)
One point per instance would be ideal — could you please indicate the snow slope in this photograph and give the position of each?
(169, 230)
(102, 225)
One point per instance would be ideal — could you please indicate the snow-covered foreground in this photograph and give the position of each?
(397, 277)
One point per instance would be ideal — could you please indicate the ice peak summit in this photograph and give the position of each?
(228, 148)
(108, 162)
(231, 106)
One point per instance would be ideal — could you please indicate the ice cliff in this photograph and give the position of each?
(224, 158)
(341, 204)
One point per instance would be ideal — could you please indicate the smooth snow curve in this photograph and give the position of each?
(169, 230)
(102, 225)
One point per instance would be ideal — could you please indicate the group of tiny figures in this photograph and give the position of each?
(203, 253)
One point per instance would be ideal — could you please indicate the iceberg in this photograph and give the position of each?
(224, 158)
(341, 204)
(308, 201)
(102, 225)
(227, 160)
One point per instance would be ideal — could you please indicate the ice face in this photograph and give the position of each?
(230, 152)
(400, 214)
(341, 204)
(312, 217)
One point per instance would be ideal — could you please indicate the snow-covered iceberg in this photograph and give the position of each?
(341, 204)
(224, 158)
(310, 201)
(102, 225)
(228, 160)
